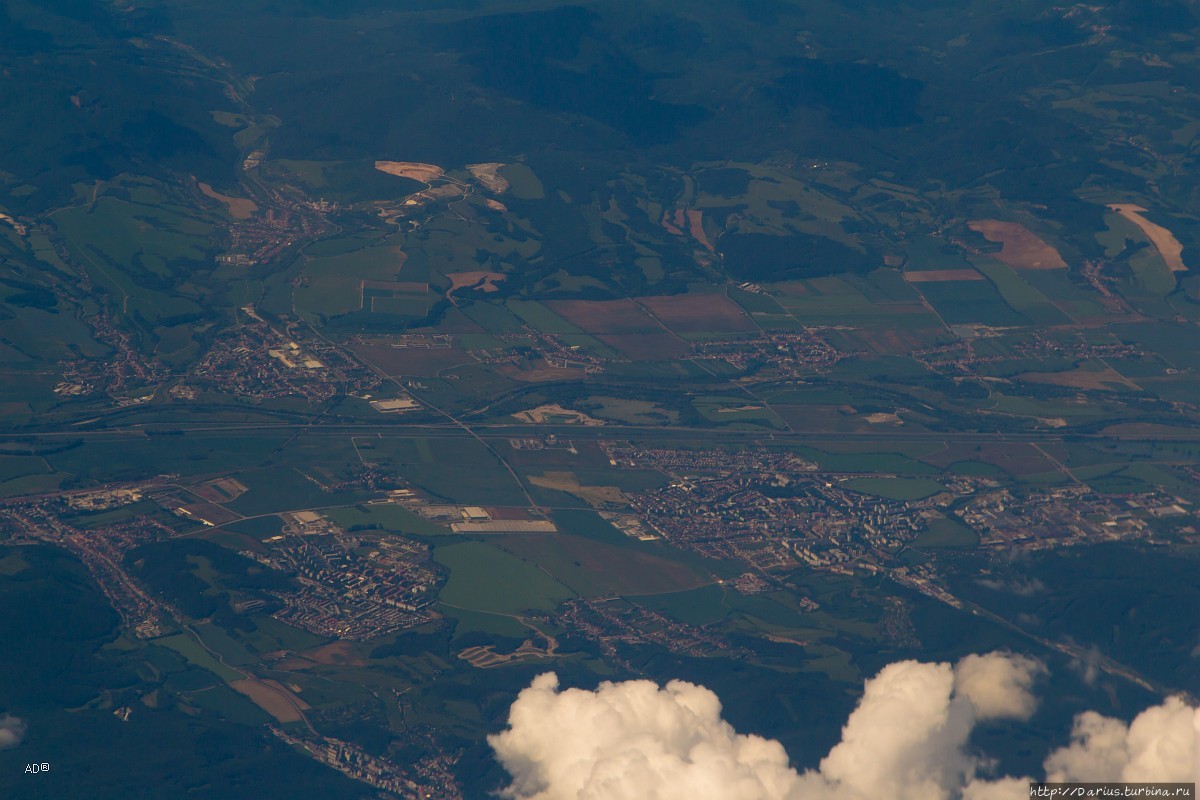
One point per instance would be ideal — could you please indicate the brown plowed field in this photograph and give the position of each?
(931, 275)
(605, 316)
(272, 698)
(1022, 248)
(688, 313)
(648, 346)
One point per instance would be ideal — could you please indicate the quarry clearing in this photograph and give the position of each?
(489, 175)
(552, 413)
(413, 170)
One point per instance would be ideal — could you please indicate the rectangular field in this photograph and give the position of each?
(413, 360)
(606, 316)
(933, 275)
(647, 346)
(592, 568)
(693, 313)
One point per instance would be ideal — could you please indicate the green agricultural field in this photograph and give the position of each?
(388, 518)
(970, 302)
(590, 524)
(1119, 478)
(633, 412)
(896, 488)
(134, 458)
(978, 469)
(836, 664)
(336, 283)
(893, 463)
(232, 651)
(630, 480)
(186, 645)
(524, 182)
(96, 519)
(767, 608)
(486, 483)
(1022, 296)
(145, 249)
(703, 606)
(828, 301)
(12, 467)
(494, 317)
(468, 621)
(485, 578)
(540, 318)
(741, 412)
(262, 527)
(230, 705)
(270, 635)
(946, 533)
(32, 484)
(593, 568)
(1069, 410)
(275, 489)
(12, 564)
(758, 304)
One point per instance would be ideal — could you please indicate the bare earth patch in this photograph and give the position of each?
(1163, 240)
(272, 698)
(489, 175)
(1103, 379)
(485, 657)
(208, 513)
(336, 653)
(605, 316)
(238, 207)
(480, 280)
(411, 169)
(592, 495)
(695, 219)
(553, 413)
(220, 490)
(1022, 247)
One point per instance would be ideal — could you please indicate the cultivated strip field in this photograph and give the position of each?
(937, 275)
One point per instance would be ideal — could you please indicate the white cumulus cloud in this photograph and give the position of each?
(1159, 745)
(906, 740)
(12, 731)
(634, 741)
(999, 686)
